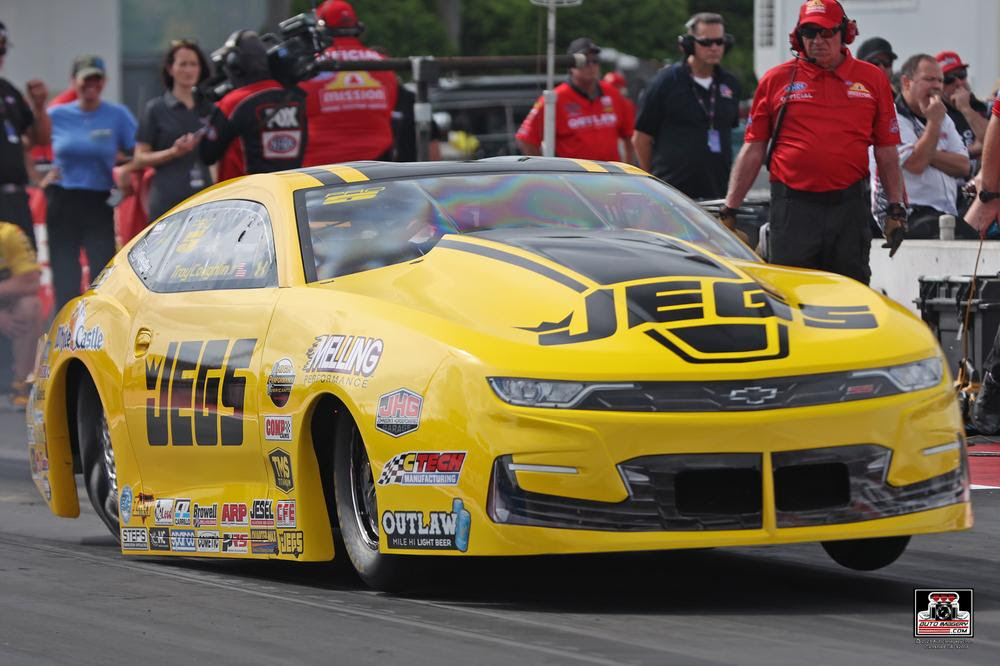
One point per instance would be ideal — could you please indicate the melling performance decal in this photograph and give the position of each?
(196, 395)
(347, 360)
(280, 380)
(435, 530)
(398, 412)
(700, 320)
(423, 468)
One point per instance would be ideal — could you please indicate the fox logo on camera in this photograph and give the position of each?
(943, 615)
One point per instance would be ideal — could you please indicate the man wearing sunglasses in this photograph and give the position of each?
(683, 127)
(969, 114)
(831, 107)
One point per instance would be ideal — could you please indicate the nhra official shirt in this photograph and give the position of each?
(258, 128)
(585, 128)
(832, 118)
(350, 113)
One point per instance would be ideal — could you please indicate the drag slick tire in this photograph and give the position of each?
(96, 455)
(866, 554)
(357, 510)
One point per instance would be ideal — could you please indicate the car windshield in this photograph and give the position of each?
(375, 224)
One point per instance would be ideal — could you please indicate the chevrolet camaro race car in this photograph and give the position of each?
(506, 357)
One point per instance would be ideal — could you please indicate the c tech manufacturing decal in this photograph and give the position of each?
(423, 468)
(398, 412)
(440, 530)
(205, 515)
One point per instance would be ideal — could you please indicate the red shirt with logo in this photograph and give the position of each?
(585, 128)
(350, 113)
(833, 117)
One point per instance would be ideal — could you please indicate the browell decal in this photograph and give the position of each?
(398, 412)
(205, 515)
(440, 530)
(700, 320)
(197, 397)
(281, 465)
(423, 468)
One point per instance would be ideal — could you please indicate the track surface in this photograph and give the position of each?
(68, 596)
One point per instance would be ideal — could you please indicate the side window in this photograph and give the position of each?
(221, 245)
(147, 255)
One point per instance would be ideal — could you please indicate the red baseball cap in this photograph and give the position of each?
(950, 61)
(617, 79)
(337, 14)
(824, 13)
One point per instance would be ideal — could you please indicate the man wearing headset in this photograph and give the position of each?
(260, 126)
(682, 132)
(814, 117)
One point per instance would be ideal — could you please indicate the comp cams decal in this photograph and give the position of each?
(398, 412)
(196, 394)
(281, 465)
(423, 468)
(278, 428)
(433, 530)
(280, 380)
(346, 360)
(134, 538)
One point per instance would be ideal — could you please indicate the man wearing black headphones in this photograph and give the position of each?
(812, 121)
(682, 132)
(260, 126)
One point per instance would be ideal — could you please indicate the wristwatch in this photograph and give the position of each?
(896, 209)
(984, 196)
(727, 216)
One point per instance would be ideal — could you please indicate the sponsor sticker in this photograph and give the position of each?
(182, 541)
(262, 513)
(134, 538)
(234, 515)
(423, 468)
(235, 542)
(284, 513)
(182, 512)
(205, 515)
(945, 613)
(280, 381)
(291, 543)
(278, 428)
(263, 542)
(398, 412)
(142, 507)
(344, 354)
(159, 538)
(207, 541)
(163, 512)
(281, 464)
(125, 504)
(75, 336)
(433, 530)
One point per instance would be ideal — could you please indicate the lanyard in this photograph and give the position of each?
(713, 93)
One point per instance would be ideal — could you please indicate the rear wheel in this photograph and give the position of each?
(866, 554)
(357, 510)
(97, 457)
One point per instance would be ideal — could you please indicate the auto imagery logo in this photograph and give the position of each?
(943, 613)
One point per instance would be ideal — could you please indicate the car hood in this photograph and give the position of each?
(648, 305)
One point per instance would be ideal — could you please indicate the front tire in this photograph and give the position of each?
(866, 554)
(97, 456)
(357, 510)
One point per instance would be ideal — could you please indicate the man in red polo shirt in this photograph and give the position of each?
(590, 115)
(821, 111)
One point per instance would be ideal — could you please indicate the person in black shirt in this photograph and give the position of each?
(969, 114)
(23, 126)
(682, 130)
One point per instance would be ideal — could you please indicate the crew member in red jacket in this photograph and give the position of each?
(350, 113)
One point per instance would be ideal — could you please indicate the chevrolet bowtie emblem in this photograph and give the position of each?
(753, 395)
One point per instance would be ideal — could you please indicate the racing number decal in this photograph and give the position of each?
(189, 384)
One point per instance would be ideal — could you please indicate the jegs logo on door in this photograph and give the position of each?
(197, 397)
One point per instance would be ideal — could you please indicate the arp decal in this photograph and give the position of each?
(75, 336)
(281, 465)
(278, 428)
(280, 381)
(205, 515)
(284, 514)
(398, 412)
(134, 538)
(262, 513)
(235, 542)
(423, 468)
(700, 320)
(291, 543)
(182, 512)
(234, 515)
(263, 542)
(346, 360)
(440, 530)
(193, 387)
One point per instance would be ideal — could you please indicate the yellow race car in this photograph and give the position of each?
(505, 357)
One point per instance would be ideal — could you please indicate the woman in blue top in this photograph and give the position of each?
(87, 137)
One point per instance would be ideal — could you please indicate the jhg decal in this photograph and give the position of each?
(441, 530)
(193, 386)
(398, 412)
(700, 320)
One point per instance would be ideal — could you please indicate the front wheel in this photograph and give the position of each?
(866, 554)
(357, 510)
(98, 458)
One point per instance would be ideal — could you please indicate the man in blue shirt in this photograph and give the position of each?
(88, 136)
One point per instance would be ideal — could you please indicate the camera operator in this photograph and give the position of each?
(260, 125)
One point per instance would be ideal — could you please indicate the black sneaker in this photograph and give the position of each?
(986, 411)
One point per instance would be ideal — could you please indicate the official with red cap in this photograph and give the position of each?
(812, 121)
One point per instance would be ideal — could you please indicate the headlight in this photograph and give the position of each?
(909, 377)
(545, 393)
